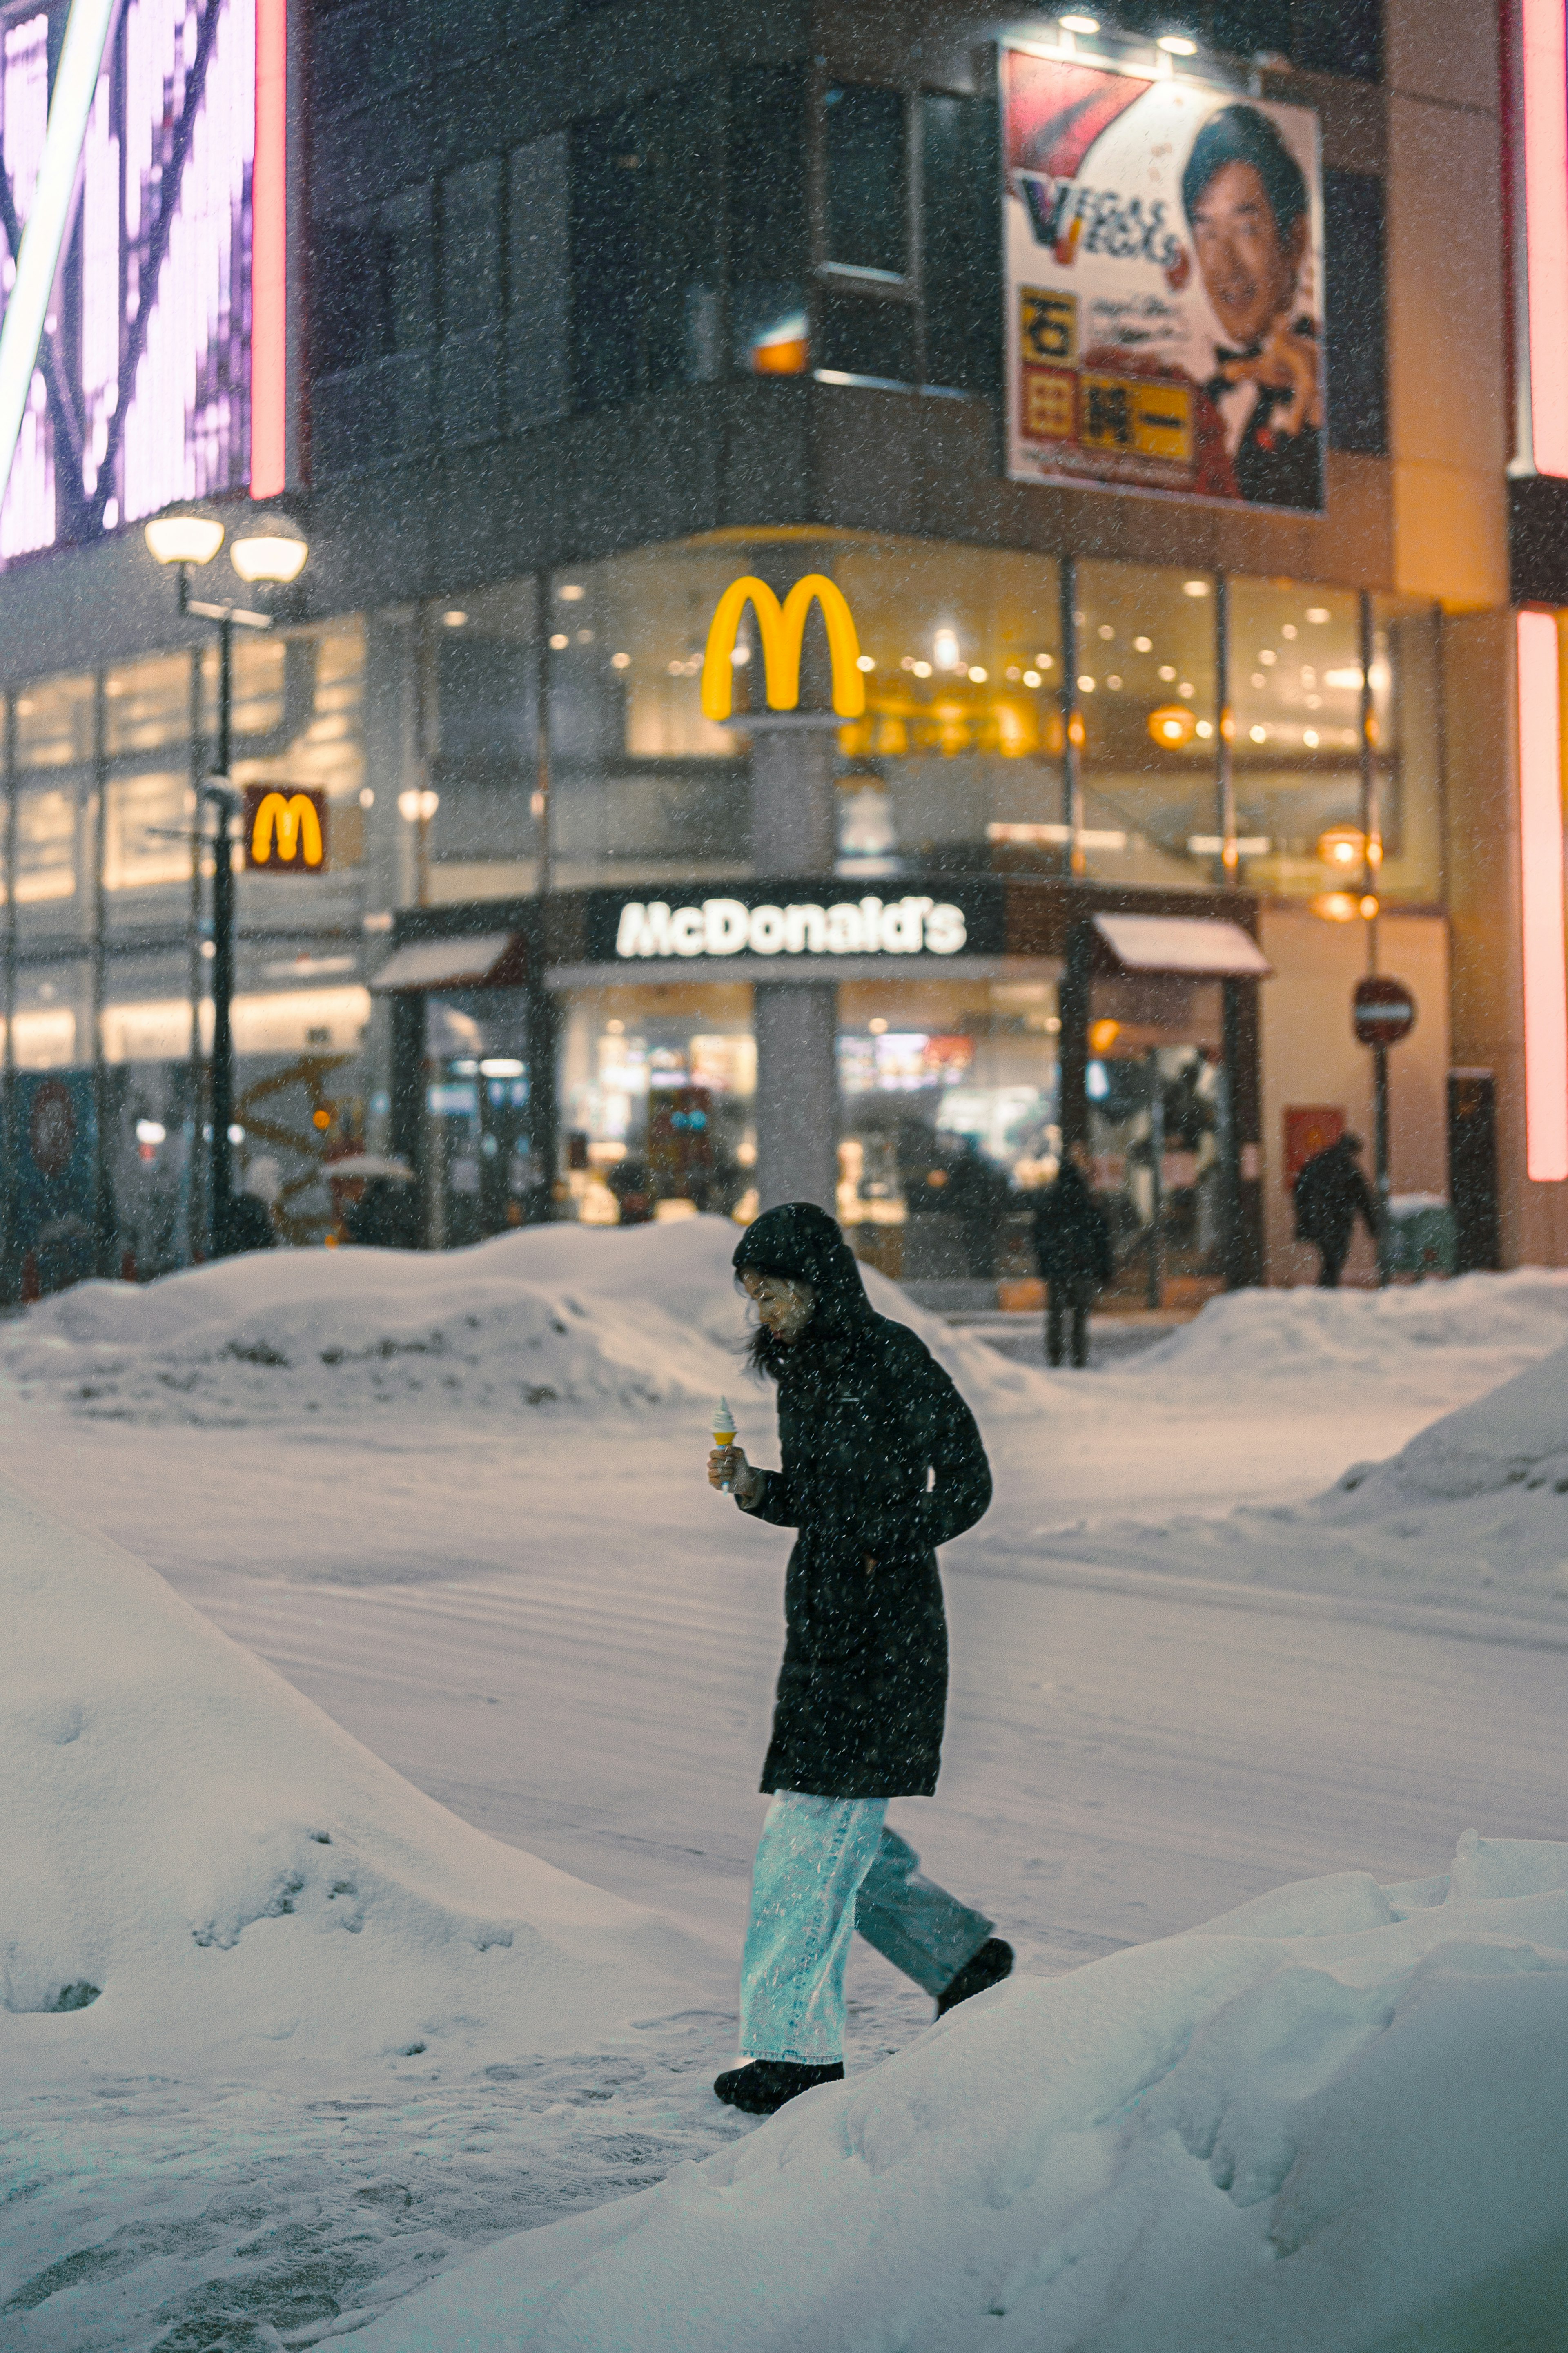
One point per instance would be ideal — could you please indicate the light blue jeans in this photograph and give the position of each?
(824, 1867)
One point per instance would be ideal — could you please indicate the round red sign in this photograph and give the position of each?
(1382, 1009)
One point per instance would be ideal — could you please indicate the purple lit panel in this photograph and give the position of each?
(28, 515)
(156, 387)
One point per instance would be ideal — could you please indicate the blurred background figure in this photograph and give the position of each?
(376, 1200)
(976, 1194)
(1072, 1248)
(632, 1184)
(1330, 1194)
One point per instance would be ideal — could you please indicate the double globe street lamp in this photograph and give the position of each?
(270, 552)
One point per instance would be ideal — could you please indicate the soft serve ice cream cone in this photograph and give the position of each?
(724, 1432)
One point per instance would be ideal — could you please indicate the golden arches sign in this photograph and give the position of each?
(780, 629)
(294, 822)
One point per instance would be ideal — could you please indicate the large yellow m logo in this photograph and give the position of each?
(780, 629)
(298, 829)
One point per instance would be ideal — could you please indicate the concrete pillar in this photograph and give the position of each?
(795, 816)
(797, 1093)
(794, 830)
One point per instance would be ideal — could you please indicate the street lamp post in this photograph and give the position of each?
(272, 551)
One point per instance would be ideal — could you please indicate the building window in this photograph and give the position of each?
(470, 301)
(1356, 311)
(866, 159)
(375, 321)
(645, 247)
(961, 243)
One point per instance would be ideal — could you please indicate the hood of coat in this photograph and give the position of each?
(803, 1241)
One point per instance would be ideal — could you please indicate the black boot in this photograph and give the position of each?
(990, 1964)
(762, 2088)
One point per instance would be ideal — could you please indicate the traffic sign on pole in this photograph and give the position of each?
(1382, 1010)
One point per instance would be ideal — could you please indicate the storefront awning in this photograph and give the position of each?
(1192, 947)
(479, 960)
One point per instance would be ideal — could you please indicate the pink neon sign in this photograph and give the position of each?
(1541, 863)
(1545, 129)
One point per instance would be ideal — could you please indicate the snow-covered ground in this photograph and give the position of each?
(458, 1504)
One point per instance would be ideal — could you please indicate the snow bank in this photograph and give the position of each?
(1336, 2118)
(198, 1870)
(549, 1316)
(1276, 1335)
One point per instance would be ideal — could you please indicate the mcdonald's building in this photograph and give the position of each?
(890, 588)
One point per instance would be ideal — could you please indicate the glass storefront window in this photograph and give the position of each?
(658, 1087)
(300, 721)
(947, 1108)
(54, 722)
(46, 846)
(1149, 700)
(482, 657)
(641, 784)
(148, 704)
(956, 765)
(147, 833)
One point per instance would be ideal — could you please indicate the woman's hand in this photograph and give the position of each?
(728, 1463)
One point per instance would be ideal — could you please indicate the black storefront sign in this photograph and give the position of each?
(800, 920)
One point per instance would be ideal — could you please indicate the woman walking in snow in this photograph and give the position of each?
(868, 1420)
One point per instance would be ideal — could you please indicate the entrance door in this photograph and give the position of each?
(480, 1167)
(1155, 1088)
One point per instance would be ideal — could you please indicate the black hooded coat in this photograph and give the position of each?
(883, 1463)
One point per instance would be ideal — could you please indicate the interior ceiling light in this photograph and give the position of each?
(1177, 44)
(1078, 23)
(1194, 587)
(1172, 726)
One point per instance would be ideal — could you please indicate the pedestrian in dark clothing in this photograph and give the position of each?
(386, 1216)
(1072, 1248)
(976, 1194)
(865, 1415)
(1330, 1194)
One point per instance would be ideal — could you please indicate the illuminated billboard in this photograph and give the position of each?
(162, 369)
(1163, 280)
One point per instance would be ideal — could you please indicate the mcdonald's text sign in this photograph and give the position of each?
(285, 830)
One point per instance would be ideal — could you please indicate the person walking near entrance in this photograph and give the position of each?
(866, 1416)
(1072, 1249)
(1330, 1194)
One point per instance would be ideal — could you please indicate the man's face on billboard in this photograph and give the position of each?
(1248, 269)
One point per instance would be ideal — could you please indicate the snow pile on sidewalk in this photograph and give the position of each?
(549, 1316)
(1278, 1335)
(199, 1870)
(1335, 2118)
(1473, 1509)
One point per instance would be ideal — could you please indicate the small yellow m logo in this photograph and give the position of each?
(780, 629)
(296, 825)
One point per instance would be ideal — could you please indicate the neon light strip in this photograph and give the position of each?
(81, 54)
(270, 255)
(1545, 76)
(1541, 861)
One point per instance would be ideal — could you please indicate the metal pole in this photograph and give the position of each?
(1072, 723)
(103, 1234)
(222, 1090)
(542, 812)
(1225, 866)
(1379, 1149)
(10, 1255)
(196, 1215)
(1157, 1178)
